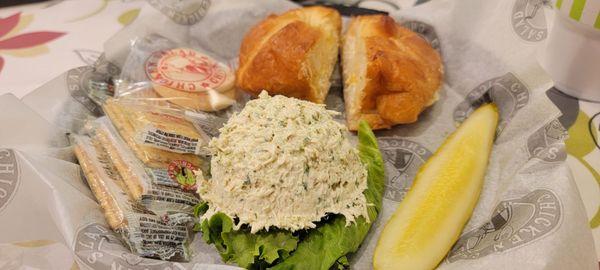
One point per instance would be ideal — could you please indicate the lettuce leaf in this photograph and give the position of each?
(321, 248)
(244, 248)
(331, 241)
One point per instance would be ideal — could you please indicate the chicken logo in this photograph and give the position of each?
(513, 224)
(100, 248)
(426, 31)
(402, 161)
(507, 91)
(185, 69)
(182, 173)
(185, 12)
(547, 143)
(89, 88)
(528, 19)
(9, 176)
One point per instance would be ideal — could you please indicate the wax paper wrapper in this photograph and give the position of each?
(529, 215)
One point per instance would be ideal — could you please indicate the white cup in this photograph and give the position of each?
(572, 53)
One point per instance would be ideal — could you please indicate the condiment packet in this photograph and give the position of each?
(144, 233)
(181, 75)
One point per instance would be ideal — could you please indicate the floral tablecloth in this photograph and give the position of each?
(41, 41)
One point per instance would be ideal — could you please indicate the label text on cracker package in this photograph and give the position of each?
(172, 195)
(169, 141)
(161, 177)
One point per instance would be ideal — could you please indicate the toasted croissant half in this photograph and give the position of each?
(291, 54)
(390, 73)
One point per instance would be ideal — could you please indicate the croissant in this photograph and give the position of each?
(390, 73)
(291, 54)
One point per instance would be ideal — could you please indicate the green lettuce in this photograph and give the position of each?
(323, 247)
(244, 248)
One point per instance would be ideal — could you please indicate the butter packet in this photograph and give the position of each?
(145, 233)
(166, 191)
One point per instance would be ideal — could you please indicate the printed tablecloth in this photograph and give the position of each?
(41, 41)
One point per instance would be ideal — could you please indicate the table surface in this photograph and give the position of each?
(38, 42)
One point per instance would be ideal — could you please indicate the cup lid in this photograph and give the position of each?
(582, 11)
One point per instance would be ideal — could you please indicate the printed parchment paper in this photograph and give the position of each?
(529, 215)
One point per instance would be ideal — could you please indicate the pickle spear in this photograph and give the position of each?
(444, 193)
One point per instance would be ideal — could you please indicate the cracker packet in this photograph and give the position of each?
(166, 191)
(146, 126)
(144, 233)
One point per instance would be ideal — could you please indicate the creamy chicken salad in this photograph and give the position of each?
(285, 163)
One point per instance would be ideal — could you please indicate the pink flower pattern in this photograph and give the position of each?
(21, 41)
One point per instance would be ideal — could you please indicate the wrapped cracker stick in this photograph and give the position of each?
(158, 189)
(155, 137)
(144, 233)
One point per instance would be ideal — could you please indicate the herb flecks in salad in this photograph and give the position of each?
(324, 247)
(288, 175)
